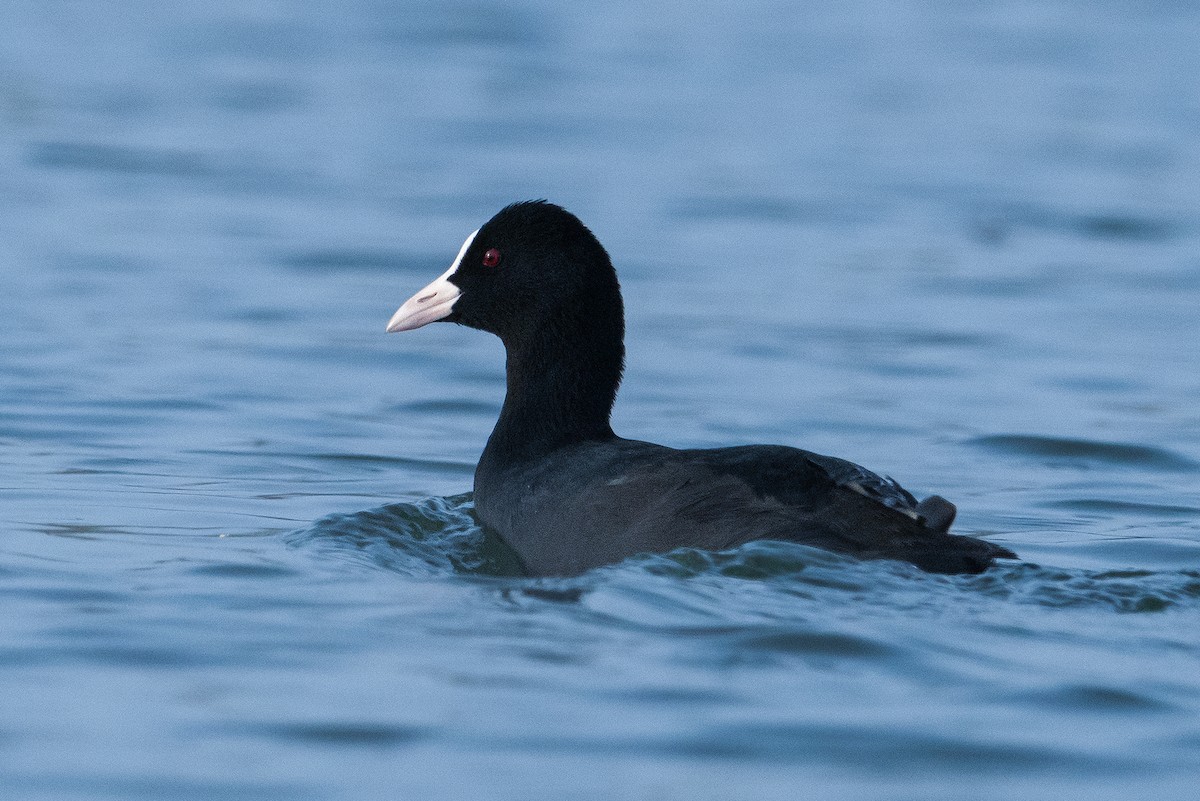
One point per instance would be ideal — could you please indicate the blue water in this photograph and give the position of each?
(958, 243)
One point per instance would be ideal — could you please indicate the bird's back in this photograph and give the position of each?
(596, 503)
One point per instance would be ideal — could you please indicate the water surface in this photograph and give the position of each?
(956, 243)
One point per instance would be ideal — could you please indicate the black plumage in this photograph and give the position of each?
(567, 494)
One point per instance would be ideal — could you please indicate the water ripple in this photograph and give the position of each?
(434, 535)
(689, 590)
(341, 733)
(1118, 507)
(1085, 452)
(120, 159)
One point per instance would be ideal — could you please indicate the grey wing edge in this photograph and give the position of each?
(934, 513)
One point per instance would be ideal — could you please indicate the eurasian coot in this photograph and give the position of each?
(567, 494)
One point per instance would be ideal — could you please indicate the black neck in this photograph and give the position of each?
(562, 380)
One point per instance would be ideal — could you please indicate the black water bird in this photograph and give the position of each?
(567, 494)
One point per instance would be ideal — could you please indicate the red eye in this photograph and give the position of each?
(491, 258)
